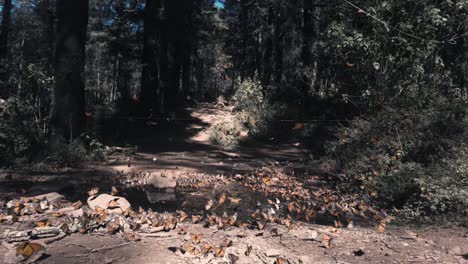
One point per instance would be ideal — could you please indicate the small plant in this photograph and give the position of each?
(227, 133)
(411, 159)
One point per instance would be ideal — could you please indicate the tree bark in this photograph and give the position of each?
(68, 105)
(311, 31)
(187, 50)
(150, 76)
(244, 16)
(465, 62)
(6, 24)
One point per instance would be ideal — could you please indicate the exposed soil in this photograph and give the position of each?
(179, 150)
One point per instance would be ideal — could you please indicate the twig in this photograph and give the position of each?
(57, 238)
(109, 247)
(159, 235)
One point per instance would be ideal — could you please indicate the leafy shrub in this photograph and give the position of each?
(412, 158)
(227, 133)
(77, 153)
(254, 109)
(21, 131)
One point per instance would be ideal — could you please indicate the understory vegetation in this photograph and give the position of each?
(378, 90)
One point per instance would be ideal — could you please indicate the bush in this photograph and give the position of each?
(412, 158)
(21, 131)
(227, 133)
(254, 109)
(78, 153)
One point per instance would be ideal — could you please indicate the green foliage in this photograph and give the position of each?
(21, 132)
(411, 155)
(227, 133)
(77, 153)
(254, 109)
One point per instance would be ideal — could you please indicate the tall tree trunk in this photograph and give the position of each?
(311, 30)
(465, 62)
(68, 106)
(6, 24)
(149, 78)
(187, 49)
(244, 16)
(278, 43)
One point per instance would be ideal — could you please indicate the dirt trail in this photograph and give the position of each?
(184, 145)
(175, 149)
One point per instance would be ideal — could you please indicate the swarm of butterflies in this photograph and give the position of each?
(290, 203)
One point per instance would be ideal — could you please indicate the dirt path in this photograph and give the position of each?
(172, 150)
(185, 145)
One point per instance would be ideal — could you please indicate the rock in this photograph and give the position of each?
(455, 251)
(51, 197)
(273, 253)
(161, 182)
(103, 200)
(15, 236)
(44, 232)
(76, 213)
(304, 234)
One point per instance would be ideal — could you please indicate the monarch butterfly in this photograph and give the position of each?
(196, 238)
(28, 249)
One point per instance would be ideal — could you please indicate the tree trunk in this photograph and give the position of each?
(187, 49)
(149, 78)
(6, 24)
(465, 62)
(68, 106)
(245, 38)
(311, 30)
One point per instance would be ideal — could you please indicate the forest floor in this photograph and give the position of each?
(177, 168)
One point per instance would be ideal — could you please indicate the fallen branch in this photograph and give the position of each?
(101, 249)
(52, 240)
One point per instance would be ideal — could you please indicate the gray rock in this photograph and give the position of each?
(304, 234)
(455, 251)
(162, 182)
(76, 213)
(273, 253)
(51, 197)
(103, 201)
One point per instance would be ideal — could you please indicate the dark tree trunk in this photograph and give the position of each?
(187, 49)
(465, 62)
(278, 43)
(245, 37)
(268, 48)
(68, 106)
(311, 30)
(149, 79)
(178, 33)
(6, 24)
